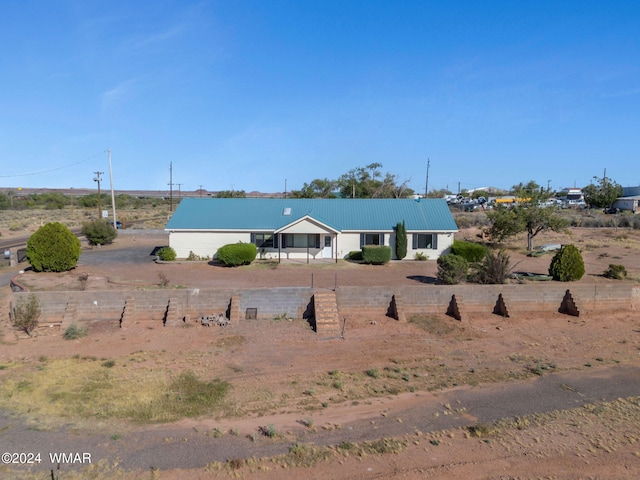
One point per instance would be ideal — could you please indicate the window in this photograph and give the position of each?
(264, 240)
(297, 240)
(425, 240)
(372, 239)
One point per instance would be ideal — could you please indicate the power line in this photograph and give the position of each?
(51, 169)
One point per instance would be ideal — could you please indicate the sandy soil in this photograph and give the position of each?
(280, 371)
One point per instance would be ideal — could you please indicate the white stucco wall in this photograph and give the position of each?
(444, 243)
(204, 244)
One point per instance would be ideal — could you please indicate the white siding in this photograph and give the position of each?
(306, 227)
(204, 244)
(444, 242)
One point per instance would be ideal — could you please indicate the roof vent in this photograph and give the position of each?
(286, 211)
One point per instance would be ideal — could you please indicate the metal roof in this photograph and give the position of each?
(266, 214)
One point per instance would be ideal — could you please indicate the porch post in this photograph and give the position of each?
(335, 237)
(279, 245)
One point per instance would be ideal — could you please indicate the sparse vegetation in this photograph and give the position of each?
(163, 280)
(83, 278)
(617, 272)
(26, 313)
(83, 388)
(193, 257)
(495, 268)
(268, 431)
(75, 331)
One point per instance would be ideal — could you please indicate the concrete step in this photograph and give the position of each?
(326, 314)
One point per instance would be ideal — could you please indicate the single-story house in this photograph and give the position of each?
(285, 228)
(628, 204)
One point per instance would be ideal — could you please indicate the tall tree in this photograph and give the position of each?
(527, 216)
(318, 188)
(231, 194)
(401, 241)
(368, 182)
(603, 194)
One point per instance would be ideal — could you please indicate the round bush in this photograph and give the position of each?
(452, 269)
(166, 254)
(99, 232)
(376, 254)
(236, 254)
(471, 252)
(617, 272)
(355, 255)
(567, 265)
(53, 248)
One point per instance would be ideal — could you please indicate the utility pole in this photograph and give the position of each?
(426, 186)
(113, 196)
(179, 192)
(171, 186)
(97, 179)
(285, 188)
(200, 187)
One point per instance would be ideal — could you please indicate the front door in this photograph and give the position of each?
(326, 250)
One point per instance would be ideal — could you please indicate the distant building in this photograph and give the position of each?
(628, 204)
(571, 194)
(629, 201)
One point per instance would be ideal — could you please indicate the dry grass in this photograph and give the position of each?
(88, 388)
(22, 223)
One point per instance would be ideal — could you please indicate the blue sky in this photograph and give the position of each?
(245, 94)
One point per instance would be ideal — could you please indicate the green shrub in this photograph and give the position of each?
(26, 313)
(421, 257)
(53, 248)
(452, 269)
(166, 254)
(355, 255)
(471, 252)
(99, 232)
(74, 331)
(236, 254)
(567, 265)
(617, 272)
(376, 254)
(401, 241)
(494, 269)
(193, 257)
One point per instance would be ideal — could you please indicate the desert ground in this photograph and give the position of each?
(560, 394)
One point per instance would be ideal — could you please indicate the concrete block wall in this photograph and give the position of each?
(153, 305)
(363, 301)
(273, 302)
